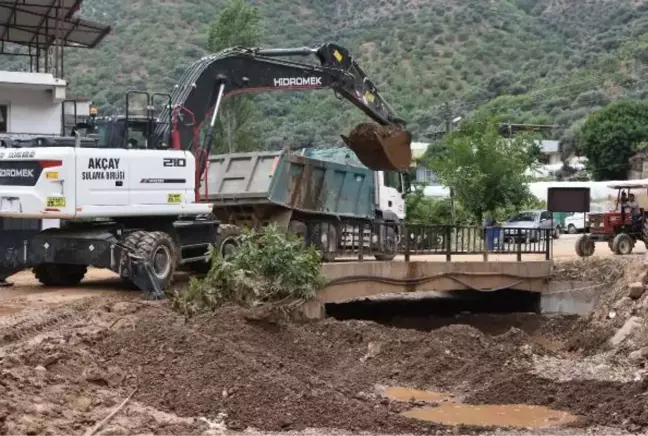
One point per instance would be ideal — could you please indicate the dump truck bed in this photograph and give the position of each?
(290, 180)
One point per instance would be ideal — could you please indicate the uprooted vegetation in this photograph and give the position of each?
(269, 267)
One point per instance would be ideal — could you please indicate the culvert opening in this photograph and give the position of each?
(491, 312)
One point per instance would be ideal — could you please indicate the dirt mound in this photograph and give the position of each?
(594, 269)
(621, 405)
(286, 377)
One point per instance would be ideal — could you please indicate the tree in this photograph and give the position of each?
(238, 25)
(486, 170)
(432, 211)
(609, 138)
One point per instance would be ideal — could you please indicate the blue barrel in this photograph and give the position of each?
(492, 233)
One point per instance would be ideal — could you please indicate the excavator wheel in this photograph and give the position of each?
(381, 148)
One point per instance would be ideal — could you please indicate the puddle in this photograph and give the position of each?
(405, 394)
(8, 310)
(492, 415)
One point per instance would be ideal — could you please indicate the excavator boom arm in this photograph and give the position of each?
(235, 71)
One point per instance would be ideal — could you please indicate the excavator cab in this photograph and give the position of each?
(135, 129)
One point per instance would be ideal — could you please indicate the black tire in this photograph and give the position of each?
(585, 246)
(571, 229)
(299, 229)
(644, 231)
(158, 248)
(327, 247)
(556, 233)
(390, 245)
(622, 244)
(58, 274)
(227, 241)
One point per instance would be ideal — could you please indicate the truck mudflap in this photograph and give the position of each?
(139, 271)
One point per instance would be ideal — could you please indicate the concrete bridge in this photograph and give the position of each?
(350, 281)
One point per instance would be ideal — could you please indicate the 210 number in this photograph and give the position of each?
(174, 162)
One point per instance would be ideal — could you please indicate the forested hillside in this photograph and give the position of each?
(556, 59)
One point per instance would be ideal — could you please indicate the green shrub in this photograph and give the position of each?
(269, 267)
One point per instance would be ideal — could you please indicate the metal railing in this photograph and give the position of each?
(386, 240)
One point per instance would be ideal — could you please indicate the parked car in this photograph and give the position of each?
(533, 221)
(577, 222)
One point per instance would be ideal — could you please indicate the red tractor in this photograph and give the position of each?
(618, 227)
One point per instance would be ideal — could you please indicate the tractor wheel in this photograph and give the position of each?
(159, 249)
(325, 237)
(58, 274)
(585, 246)
(644, 231)
(622, 244)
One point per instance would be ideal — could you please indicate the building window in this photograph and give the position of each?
(3, 118)
(425, 175)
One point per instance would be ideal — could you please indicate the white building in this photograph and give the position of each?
(32, 102)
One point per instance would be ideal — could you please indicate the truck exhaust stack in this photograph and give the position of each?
(381, 148)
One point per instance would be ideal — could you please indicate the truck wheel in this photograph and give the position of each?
(325, 237)
(227, 241)
(389, 245)
(585, 246)
(622, 244)
(299, 229)
(572, 230)
(58, 274)
(159, 249)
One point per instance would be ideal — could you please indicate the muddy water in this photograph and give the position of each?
(405, 395)
(492, 415)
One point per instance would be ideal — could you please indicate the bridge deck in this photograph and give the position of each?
(353, 280)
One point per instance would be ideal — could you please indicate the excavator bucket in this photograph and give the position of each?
(381, 148)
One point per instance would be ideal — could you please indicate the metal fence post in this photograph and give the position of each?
(549, 245)
(448, 246)
(519, 245)
(361, 242)
(405, 233)
(485, 244)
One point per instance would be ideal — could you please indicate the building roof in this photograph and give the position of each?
(549, 146)
(39, 23)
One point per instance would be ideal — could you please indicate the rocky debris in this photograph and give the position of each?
(638, 356)
(598, 367)
(630, 326)
(636, 290)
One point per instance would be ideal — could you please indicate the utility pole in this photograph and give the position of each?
(448, 129)
(448, 117)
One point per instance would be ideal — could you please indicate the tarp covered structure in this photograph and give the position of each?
(44, 22)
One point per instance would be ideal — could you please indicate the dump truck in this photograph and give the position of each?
(126, 189)
(308, 192)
